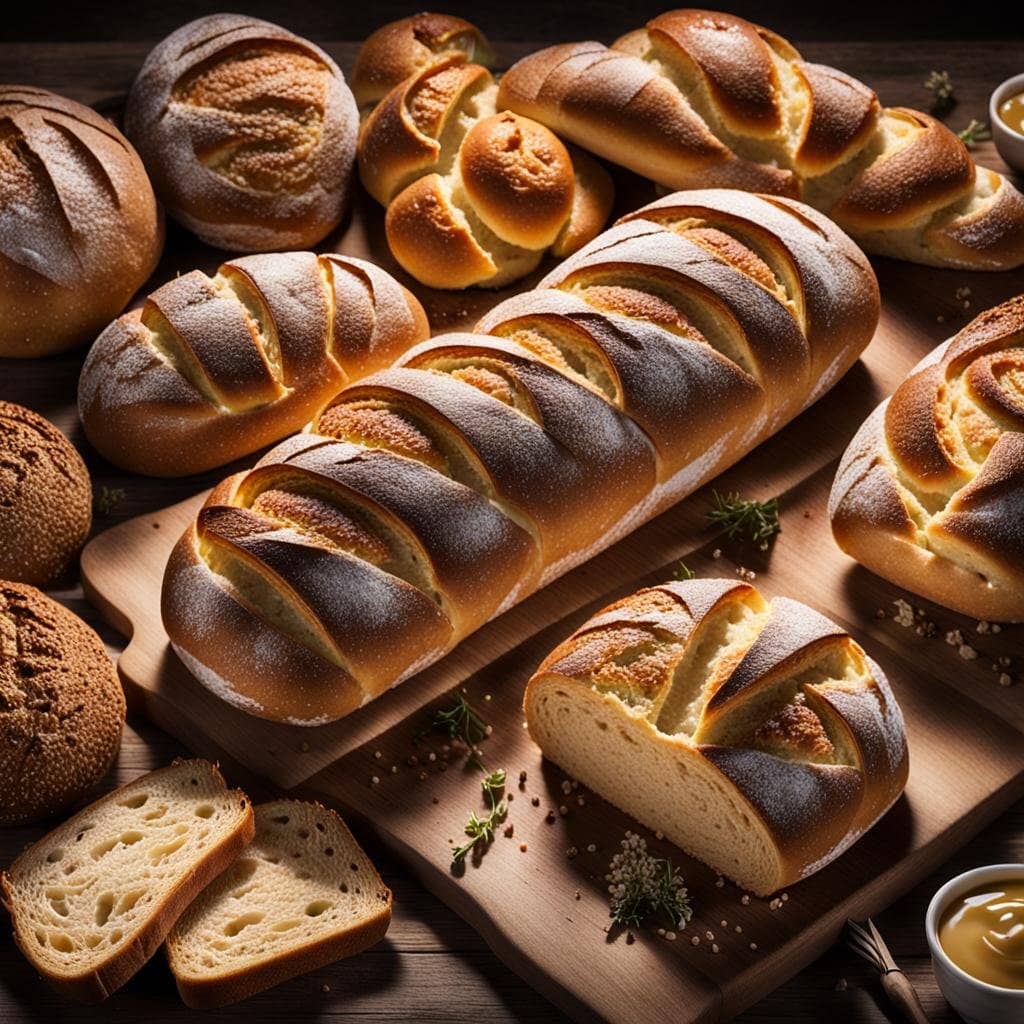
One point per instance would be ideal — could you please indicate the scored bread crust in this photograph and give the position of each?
(248, 133)
(755, 735)
(475, 194)
(203, 991)
(80, 230)
(110, 974)
(402, 48)
(930, 492)
(699, 98)
(431, 496)
(213, 368)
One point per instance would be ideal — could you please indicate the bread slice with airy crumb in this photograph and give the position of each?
(93, 900)
(302, 896)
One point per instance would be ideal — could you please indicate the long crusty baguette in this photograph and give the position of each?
(93, 900)
(757, 735)
(432, 496)
(706, 98)
(212, 368)
(302, 896)
(475, 195)
(930, 492)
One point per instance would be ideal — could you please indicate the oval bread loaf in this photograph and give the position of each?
(61, 706)
(475, 195)
(247, 131)
(79, 226)
(210, 369)
(756, 735)
(700, 98)
(930, 492)
(433, 495)
(46, 497)
(94, 899)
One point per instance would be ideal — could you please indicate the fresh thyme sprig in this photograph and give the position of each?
(940, 85)
(460, 721)
(683, 572)
(756, 521)
(106, 499)
(481, 830)
(641, 885)
(976, 131)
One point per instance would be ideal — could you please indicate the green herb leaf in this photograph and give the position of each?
(683, 572)
(481, 830)
(642, 886)
(460, 721)
(940, 85)
(749, 520)
(976, 131)
(106, 499)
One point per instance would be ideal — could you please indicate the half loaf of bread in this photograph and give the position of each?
(93, 900)
(302, 896)
(756, 735)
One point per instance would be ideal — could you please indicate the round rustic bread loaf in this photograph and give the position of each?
(61, 706)
(249, 133)
(79, 226)
(45, 494)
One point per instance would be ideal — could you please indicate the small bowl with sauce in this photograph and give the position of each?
(975, 929)
(1006, 116)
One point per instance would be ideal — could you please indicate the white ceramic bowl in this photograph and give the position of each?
(1009, 143)
(976, 1001)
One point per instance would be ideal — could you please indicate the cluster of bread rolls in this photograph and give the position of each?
(700, 98)
(433, 495)
(475, 194)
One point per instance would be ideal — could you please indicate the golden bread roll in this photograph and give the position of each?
(756, 735)
(46, 497)
(61, 706)
(79, 226)
(248, 133)
(701, 98)
(431, 496)
(930, 492)
(475, 195)
(213, 368)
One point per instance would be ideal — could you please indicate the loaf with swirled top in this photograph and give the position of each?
(248, 132)
(431, 496)
(930, 492)
(756, 735)
(475, 194)
(701, 98)
(212, 368)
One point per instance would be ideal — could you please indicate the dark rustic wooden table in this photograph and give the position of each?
(432, 966)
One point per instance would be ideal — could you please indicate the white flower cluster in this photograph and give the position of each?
(640, 884)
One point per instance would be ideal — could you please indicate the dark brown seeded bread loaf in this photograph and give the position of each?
(432, 496)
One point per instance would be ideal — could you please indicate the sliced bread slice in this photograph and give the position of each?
(93, 900)
(302, 896)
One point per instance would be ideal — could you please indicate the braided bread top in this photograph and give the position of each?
(475, 195)
(940, 467)
(706, 98)
(79, 226)
(433, 495)
(211, 368)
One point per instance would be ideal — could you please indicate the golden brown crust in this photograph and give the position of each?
(247, 131)
(702, 98)
(46, 497)
(475, 195)
(211, 369)
(812, 746)
(405, 47)
(930, 493)
(576, 412)
(61, 706)
(80, 230)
